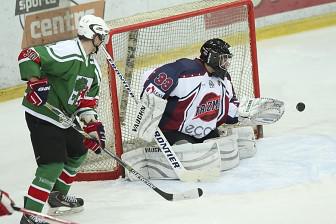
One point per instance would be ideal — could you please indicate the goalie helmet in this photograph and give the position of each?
(215, 52)
(90, 25)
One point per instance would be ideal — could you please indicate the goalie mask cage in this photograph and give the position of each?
(144, 42)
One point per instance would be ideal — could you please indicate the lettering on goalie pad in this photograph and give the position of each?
(148, 116)
(151, 163)
(260, 111)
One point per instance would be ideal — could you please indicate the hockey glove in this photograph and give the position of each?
(260, 111)
(86, 110)
(97, 132)
(92, 145)
(5, 204)
(39, 90)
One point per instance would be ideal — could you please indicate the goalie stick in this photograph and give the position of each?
(182, 173)
(191, 194)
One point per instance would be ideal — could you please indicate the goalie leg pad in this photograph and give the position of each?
(151, 163)
(246, 142)
(228, 147)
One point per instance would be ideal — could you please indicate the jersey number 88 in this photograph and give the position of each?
(164, 81)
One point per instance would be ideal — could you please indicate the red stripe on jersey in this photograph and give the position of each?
(227, 104)
(66, 178)
(38, 194)
(30, 54)
(226, 111)
(177, 115)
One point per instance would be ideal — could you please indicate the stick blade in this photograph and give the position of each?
(198, 175)
(191, 194)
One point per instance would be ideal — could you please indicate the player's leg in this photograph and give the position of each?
(60, 201)
(50, 153)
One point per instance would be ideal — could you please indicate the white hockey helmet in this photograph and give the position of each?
(90, 25)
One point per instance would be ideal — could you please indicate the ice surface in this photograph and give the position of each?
(290, 180)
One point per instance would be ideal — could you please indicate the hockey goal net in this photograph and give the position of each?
(144, 42)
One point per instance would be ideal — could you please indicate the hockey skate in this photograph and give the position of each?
(30, 219)
(61, 204)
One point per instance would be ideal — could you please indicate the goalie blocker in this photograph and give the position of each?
(210, 157)
(148, 116)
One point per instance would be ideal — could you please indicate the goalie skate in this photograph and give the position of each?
(61, 204)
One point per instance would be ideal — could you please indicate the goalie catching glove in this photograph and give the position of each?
(260, 111)
(148, 116)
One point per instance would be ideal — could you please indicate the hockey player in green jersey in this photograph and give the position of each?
(66, 76)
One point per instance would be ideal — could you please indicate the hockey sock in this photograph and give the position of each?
(38, 192)
(64, 181)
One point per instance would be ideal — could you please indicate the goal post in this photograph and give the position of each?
(142, 43)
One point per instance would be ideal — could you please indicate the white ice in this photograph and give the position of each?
(291, 179)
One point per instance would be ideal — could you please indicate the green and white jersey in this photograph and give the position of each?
(71, 73)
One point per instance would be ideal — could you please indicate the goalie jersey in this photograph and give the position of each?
(197, 102)
(71, 73)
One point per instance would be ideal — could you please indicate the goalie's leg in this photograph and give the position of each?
(150, 162)
(235, 144)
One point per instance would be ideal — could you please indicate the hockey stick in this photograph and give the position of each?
(191, 194)
(30, 212)
(42, 216)
(167, 150)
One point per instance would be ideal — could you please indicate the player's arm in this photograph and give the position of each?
(30, 61)
(86, 111)
(230, 104)
(162, 81)
(250, 111)
(157, 87)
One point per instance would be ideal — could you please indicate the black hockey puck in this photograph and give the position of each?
(300, 106)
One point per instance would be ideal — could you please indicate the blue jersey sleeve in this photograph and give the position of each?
(163, 80)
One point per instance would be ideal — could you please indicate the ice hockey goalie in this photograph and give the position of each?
(190, 100)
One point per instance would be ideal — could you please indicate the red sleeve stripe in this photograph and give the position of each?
(29, 54)
(66, 177)
(38, 194)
